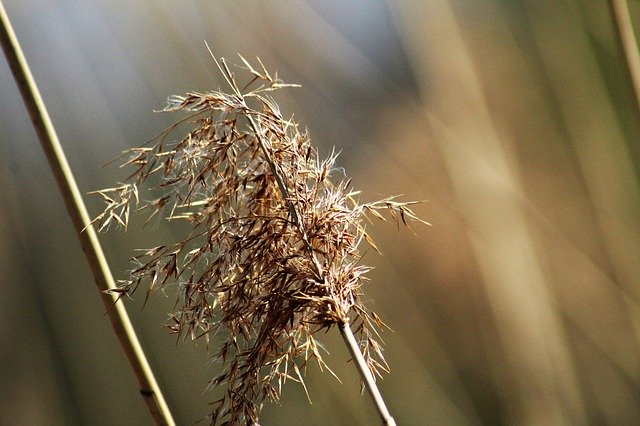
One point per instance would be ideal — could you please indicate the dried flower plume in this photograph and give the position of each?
(272, 255)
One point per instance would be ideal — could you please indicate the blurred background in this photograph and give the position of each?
(514, 119)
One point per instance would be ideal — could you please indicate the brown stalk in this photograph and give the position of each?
(86, 234)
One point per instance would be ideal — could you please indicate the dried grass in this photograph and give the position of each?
(273, 252)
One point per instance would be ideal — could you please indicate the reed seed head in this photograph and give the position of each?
(272, 256)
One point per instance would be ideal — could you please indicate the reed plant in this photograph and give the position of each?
(272, 255)
(529, 140)
(77, 211)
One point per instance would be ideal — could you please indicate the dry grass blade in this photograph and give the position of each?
(273, 254)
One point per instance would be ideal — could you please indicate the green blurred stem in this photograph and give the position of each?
(75, 207)
(624, 29)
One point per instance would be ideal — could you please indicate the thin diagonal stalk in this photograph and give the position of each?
(365, 373)
(629, 45)
(75, 207)
(344, 327)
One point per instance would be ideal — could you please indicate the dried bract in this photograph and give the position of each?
(272, 256)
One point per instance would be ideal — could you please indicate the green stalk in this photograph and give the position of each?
(624, 29)
(76, 209)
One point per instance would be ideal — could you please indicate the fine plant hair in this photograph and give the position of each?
(272, 254)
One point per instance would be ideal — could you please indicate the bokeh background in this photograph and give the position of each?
(514, 119)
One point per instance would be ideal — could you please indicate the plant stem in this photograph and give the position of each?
(624, 28)
(76, 209)
(365, 373)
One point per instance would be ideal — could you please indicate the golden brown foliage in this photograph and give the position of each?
(272, 256)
